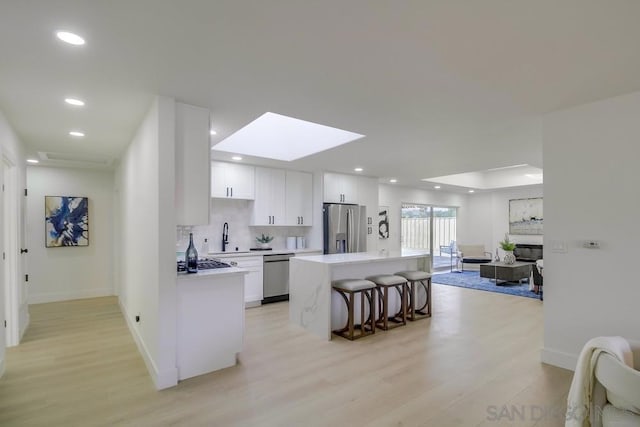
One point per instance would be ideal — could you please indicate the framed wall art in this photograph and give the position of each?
(66, 221)
(383, 222)
(525, 216)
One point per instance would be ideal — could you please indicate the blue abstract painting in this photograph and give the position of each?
(66, 221)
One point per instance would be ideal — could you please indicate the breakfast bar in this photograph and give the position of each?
(310, 294)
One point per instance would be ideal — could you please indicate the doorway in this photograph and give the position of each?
(15, 299)
(430, 228)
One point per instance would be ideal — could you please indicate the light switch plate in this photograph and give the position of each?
(559, 246)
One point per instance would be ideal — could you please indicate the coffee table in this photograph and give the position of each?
(506, 272)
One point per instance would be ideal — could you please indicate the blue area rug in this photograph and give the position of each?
(472, 280)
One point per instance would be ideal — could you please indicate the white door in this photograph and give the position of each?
(13, 235)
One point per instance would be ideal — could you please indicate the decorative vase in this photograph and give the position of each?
(509, 257)
(264, 245)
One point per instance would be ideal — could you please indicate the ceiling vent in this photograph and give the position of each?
(75, 160)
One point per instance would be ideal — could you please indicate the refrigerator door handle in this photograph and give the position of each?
(349, 230)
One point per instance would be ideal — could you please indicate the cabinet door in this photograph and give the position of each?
(253, 279)
(299, 198)
(350, 189)
(268, 208)
(219, 187)
(332, 188)
(192, 165)
(241, 180)
(339, 188)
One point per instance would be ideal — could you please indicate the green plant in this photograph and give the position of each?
(506, 244)
(264, 239)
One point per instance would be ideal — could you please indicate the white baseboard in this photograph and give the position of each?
(162, 380)
(559, 358)
(71, 295)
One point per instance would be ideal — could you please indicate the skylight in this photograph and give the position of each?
(279, 137)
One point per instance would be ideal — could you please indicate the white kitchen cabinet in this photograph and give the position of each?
(269, 205)
(340, 188)
(299, 198)
(232, 181)
(192, 165)
(253, 279)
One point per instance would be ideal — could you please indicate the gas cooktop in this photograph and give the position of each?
(203, 264)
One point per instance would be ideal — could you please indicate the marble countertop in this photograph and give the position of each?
(233, 254)
(215, 272)
(364, 257)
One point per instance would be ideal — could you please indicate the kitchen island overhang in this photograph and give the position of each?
(310, 292)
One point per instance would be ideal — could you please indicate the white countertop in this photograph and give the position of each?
(233, 254)
(214, 272)
(364, 257)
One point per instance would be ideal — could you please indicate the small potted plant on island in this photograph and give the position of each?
(264, 241)
(508, 246)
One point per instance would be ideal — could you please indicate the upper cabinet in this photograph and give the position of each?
(339, 188)
(283, 198)
(230, 180)
(299, 198)
(192, 165)
(269, 206)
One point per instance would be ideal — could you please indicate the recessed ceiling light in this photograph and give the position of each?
(393, 180)
(213, 132)
(274, 136)
(437, 187)
(236, 158)
(472, 191)
(76, 133)
(32, 161)
(358, 169)
(70, 38)
(75, 102)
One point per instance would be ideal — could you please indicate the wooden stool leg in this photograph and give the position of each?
(351, 314)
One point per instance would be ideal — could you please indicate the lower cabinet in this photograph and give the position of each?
(253, 280)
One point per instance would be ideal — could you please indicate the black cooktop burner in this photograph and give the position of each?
(203, 264)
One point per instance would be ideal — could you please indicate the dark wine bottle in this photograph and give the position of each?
(191, 256)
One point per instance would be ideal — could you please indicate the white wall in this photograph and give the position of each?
(146, 278)
(65, 273)
(591, 180)
(394, 196)
(12, 149)
(489, 217)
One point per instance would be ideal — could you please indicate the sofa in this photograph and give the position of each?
(527, 253)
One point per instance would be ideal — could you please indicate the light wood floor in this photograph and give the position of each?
(474, 363)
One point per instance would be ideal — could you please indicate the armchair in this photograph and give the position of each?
(616, 391)
(472, 254)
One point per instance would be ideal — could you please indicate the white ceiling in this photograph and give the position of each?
(437, 87)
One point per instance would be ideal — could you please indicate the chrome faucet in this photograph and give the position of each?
(225, 236)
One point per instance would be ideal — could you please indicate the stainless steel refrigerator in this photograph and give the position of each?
(345, 228)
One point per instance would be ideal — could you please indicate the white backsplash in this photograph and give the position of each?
(237, 213)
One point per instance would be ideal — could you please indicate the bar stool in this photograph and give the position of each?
(348, 288)
(384, 282)
(414, 277)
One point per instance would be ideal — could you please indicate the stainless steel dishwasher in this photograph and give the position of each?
(275, 280)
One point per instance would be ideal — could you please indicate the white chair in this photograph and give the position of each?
(617, 386)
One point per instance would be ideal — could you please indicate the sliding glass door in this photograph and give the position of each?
(430, 228)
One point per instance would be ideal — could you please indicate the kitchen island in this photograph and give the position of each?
(310, 294)
(210, 321)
